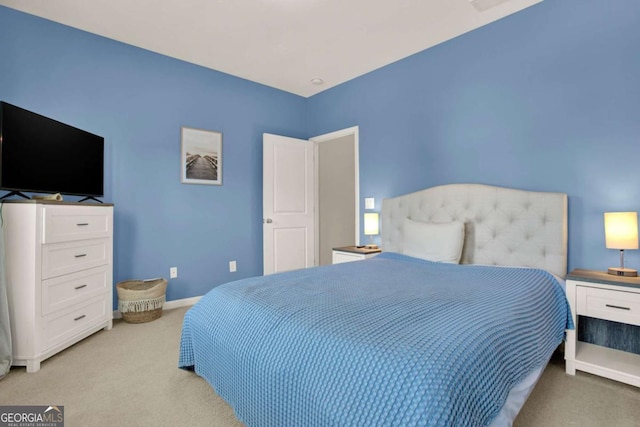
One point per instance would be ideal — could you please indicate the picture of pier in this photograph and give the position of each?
(201, 157)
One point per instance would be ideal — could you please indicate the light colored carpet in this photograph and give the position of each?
(129, 376)
(124, 377)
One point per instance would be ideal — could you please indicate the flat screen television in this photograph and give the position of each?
(42, 155)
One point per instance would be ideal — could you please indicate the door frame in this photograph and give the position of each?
(355, 131)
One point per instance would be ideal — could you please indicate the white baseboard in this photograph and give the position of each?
(185, 302)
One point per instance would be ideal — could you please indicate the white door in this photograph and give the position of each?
(288, 202)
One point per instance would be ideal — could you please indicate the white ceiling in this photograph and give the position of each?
(279, 43)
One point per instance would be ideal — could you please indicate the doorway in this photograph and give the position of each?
(310, 199)
(337, 192)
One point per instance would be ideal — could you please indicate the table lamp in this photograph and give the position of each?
(621, 232)
(371, 228)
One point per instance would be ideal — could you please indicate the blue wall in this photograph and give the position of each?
(546, 99)
(138, 101)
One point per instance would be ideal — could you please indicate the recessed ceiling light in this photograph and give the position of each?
(317, 81)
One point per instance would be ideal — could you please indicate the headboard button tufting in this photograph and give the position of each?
(531, 223)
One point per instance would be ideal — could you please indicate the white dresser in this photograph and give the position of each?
(59, 275)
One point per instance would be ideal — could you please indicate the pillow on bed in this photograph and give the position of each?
(438, 242)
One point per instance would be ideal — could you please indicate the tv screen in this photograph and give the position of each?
(42, 155)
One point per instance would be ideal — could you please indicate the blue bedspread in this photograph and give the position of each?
(391, 341)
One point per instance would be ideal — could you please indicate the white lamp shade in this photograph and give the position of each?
(621, 230)
(371, 224)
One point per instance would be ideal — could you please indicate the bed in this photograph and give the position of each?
(402, 338)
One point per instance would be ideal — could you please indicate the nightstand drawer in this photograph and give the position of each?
(340, 257)
(65, 258)
(66, 223)
(617, 306)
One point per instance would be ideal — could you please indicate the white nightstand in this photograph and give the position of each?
(353, 253)
(602, 296)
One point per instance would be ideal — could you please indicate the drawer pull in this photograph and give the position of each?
(79, 317)
(80, 287)
(81, 255)
(618, 307)
(82, 224)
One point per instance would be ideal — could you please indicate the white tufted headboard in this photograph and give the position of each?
(503, 226)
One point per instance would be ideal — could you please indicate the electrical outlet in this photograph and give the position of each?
(173, 272)
(232, 266)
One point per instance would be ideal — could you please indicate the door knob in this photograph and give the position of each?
(268, 220)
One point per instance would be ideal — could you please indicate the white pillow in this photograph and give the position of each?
(438, 242)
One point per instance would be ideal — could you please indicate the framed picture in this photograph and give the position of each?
(201, 156)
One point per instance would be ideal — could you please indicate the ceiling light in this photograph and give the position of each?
(317, 81)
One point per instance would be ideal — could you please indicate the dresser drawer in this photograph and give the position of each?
(67, 223)
(65, 258)
(617, 306)
(64, 324)
(65, 291)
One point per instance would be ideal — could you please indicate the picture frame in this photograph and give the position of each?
(201, 156)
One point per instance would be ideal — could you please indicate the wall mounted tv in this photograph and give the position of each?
(42, 155)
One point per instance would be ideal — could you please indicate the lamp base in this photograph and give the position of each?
(626, 272)
(371, 246)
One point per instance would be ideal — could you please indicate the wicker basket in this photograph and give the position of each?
(141, 301)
